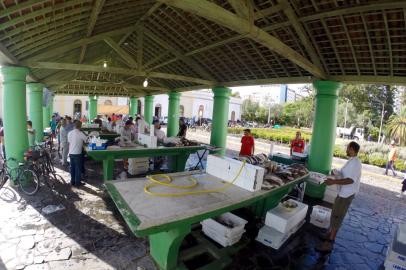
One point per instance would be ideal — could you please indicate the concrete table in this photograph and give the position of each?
(180, 153)
(167, 226)
(109, 136)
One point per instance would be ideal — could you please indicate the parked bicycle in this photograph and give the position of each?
(23, 174)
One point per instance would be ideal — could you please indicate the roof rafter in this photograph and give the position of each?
(121, 52)
(219, 15)
(241, 8)
(303, 36)
(98, 6)
(140, 45)
(267, 11)
(73, 45)
(105, 84)
(188, 60)
(124, 71)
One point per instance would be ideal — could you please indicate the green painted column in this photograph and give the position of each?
(173, 114)
(220, 118)
(324, 126)
(133, 106)
(15, 112)
(148, 108)
(35, 114)
(92, 107)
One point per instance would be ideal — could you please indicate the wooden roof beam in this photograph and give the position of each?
(303, 36)
(241, 8)
(121, 52)
(188, 60)
(267, 11)
(219, 15)
(123, 71)
(54, 52)
(140, 45)
(104, 84)
(98, 6)
(393, 80)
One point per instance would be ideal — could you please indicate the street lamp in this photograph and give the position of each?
(346, 112)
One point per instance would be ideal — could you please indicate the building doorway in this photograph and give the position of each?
(139, 107)
(233, 116)
(77, 108)
(158, 111)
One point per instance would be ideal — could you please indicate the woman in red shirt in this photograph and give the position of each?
(298, 144)
(247, 144)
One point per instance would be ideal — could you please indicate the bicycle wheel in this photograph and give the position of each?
(28, 181)
(54, 180)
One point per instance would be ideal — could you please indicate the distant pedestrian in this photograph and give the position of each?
(63, 134)
(247, 143)
(31, 134)
(3, 148)
(392, 156)
(298, 144)
(182, 128)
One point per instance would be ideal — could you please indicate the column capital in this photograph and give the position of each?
(174, 94)
(221, 91)
(327, 88)
(35, 87)
(93, 97)
(149, 97)
(14, 73)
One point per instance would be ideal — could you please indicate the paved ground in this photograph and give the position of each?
(90, 234)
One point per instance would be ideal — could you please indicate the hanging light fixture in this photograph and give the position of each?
(145, 84)
(105, 64)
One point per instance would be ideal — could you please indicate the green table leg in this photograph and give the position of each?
(108, 166)
(178, 162)
(164, 246)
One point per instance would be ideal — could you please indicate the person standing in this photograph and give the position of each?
(3, 148)
(298, 144)
(182, 128)
(63, 133)
(31, 134)
(247, 143)
(348, 180)
(76, 140)
(392, 156)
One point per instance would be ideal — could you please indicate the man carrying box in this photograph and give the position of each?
(348, 179)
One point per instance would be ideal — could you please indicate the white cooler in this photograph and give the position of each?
(224, 235)
(396, 254)
(283, 219)
(273, 238)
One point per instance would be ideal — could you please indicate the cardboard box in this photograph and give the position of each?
(285, 219)
(227, 169)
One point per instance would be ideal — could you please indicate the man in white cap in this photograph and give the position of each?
(392, 156)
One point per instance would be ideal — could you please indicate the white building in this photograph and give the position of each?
(192, 104)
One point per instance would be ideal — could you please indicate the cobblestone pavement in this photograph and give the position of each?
(90, 233)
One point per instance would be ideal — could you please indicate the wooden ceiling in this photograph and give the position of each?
(192, 44)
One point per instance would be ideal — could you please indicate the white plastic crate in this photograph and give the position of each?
(146, 139)
(395, 257)
(317, 178)
(273, 238)
(401, 236)
(389, 265)
(238, 225)
(227, 169)
(221, 239)
(320, 216)
(283, 219)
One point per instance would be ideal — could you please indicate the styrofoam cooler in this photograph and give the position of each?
(396, 258)
(330, 194)
(401, 235)
(222, 234)
(273, 238)
(320, 216)
(138, 165)
(393, 266)
(227, 169)
(283, 219)
(396, 254)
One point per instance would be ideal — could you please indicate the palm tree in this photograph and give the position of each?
(397, 126)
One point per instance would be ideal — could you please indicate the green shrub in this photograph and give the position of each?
(363, 157)
(400, 165)
(377, 159)
(282, 135)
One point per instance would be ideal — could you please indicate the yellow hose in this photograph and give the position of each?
(167, 182)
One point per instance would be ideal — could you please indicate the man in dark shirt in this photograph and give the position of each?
(182, 128)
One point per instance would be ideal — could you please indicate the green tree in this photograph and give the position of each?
(249, 110)
(397, 127)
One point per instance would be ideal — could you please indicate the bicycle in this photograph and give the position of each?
(24, 176)
(43, 165)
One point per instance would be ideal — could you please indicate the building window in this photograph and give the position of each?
(181, 111)
(108, 102)
(233, 116)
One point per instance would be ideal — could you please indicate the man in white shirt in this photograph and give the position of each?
(76, 139)
(348, 180)
(158, 132)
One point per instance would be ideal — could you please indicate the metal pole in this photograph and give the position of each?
(346, 112)
(380, 128)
